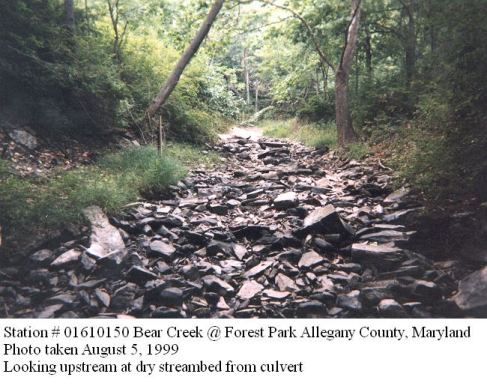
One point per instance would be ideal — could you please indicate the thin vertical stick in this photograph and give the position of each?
(160, 136)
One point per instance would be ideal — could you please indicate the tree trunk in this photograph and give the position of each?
(188, 54)
(256, 97)
(368, 52)
(346, 133)
(246, 75)
(317, 82)
(69, 14)
(410, 54)
(324, 71)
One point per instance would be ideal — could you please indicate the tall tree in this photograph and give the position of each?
(246, 74)
(118, 31)
(346, 133)
(188, 54)
(69, 19)
(410, 40)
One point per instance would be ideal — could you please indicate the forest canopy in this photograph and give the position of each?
(416, 77)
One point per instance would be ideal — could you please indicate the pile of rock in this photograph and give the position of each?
(276, 230)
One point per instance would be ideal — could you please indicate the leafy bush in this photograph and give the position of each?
(63, 83)
(315, 109)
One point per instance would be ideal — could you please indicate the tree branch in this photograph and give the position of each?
(323, 58)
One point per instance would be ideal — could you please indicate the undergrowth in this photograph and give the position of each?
(115, 180)
(317, 135)
(320, 136)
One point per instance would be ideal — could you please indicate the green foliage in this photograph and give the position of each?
(315, 109)
(357, 150)
(320, 136)
(116, 180)
(59, 82)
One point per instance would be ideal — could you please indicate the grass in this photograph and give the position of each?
(357, 150)
(320, 136)
(115, 180)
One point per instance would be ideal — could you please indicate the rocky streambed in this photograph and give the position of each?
(276, 230)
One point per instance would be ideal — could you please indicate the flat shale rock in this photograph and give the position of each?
(285, 284)
(286, 200)
(49, 311)
(105, 239)
(396, 196)
(218, 285)
(311, 308)
(472, 293)
(140, 275)
(258, 269)
(42, 257)
(273, 294)
(389, 308)
(171, 297)
(350, 301)
(249, 289)
(68, 258)
(325, 220)
(215, 247)
(380, 256)
(124, 296)
(161, 249)
(310, 259)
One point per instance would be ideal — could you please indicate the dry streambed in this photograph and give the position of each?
(276, 230)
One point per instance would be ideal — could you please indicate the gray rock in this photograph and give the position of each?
(42, 257)
(273, 294)
(218, 285)
(286, 200)
(68, 258)
(310, 259)
(171, 297)
(140, 275)
(159, 248)
(325, 220)
(380, 256)
(389, 308)
(239, 251)
(258, 269)
(313, 307)
(396, 196)
(472, 293)
(388, 236)
(196, 238)
(165, 312)
(103, 297)
(350, 301)
(215, 247)
(124, 296)
(24, 138)
(218, 209)
(50, 311)
(105, 239)
(284, 283)
(373, 296)
(425, 290)
(249, 289)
